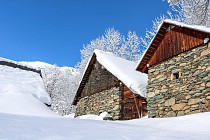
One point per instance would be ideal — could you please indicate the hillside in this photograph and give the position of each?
(59, 83)
(44, 65)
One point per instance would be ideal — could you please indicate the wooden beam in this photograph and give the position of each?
(158, 38)
(148, 54)
(162, 31)
(160, 34)
(147, 57)
(150, 51)
(153, 48)
(136, 106)
(154, 44)
(156, 41)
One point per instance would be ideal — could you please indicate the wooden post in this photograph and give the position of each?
(136, 106)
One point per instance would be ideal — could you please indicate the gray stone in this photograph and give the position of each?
(117, 107)
(193, 101)
(175, 71)
(180, 113)
(178, 106)
(171, 114)
(158, 96)
(170, 102)
(161, 79)
(151, 94)
(198, 94)
(185, 94)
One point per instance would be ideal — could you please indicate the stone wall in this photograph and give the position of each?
(180, 85)
(107, 100)
(99, 80)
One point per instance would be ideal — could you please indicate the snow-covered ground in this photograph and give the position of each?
(23, 115)
(192, 127)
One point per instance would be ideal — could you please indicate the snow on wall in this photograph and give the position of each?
(124, 70)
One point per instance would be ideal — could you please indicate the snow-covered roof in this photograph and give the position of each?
(181, 24)
(124, 70)
(19, 65)
(176, 23)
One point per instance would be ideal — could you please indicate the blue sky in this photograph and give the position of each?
(54, 31)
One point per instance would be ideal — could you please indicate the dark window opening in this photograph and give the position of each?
(176, 75)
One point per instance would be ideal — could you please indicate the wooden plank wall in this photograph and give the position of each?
(99, 80)
(176, 41)
(129, 105)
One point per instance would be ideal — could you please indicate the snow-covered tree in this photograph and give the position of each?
(150, 33)
(192, 11)
(113, 41)
(60, 85)
(195, 12)
(130, 47)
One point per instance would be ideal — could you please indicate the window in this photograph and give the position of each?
(176, 75)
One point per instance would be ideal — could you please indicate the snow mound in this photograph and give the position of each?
(88, 117)
(23, 92)
(95, 117)
(124, 70)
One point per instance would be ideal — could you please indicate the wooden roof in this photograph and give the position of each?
(176, 48)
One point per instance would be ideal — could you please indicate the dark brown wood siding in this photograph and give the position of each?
(133, 105)
(100, 79)
(176, 41)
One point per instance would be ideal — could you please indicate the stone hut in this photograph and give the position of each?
(178, 66)
(111, 84)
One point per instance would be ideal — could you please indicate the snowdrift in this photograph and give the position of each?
(23, 92)
(191, 127)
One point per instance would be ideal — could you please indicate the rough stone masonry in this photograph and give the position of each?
(180, 85)
(105, 101)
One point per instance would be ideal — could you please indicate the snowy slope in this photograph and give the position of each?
(23, 92)
(43, 65)
(192, 127)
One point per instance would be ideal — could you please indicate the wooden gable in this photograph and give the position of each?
(170, 41)
(95, 79)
